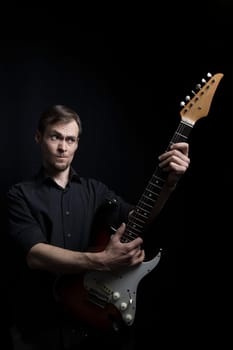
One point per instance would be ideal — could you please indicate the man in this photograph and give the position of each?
(51, 223)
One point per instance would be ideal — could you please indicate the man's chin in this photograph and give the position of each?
(61, 167)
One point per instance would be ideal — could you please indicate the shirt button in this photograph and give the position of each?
(67, 212)
(68, 234)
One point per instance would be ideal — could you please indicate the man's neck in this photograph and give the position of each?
(60, 177)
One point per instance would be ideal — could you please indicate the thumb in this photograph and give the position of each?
(120, 230)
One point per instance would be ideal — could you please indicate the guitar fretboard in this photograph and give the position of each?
(142, 212)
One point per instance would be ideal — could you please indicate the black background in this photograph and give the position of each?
(125, 71)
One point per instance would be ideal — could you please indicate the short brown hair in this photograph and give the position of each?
(56, 114)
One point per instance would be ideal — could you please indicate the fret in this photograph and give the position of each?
(148, 192)
(144, 204)
(147, 198)
(182, 133)
(135, 229)
(129, 236)
(136, 218)
(151, 195)
(180, 136)
(157, 181)
(142, 213)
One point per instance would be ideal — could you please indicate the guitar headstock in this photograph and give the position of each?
(198, 107)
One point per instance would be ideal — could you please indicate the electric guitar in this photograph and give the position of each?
(107, 300)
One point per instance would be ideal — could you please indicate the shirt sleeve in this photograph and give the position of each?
(114, 208)
(23, 228)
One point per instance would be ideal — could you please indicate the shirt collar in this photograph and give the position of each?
(41, 176)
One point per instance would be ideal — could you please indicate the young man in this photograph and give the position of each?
(51, 220)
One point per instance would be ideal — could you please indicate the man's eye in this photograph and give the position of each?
(70, 140)
(53, 137)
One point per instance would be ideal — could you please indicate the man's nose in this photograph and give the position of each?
(62, 145)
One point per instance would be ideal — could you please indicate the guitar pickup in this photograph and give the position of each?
(96, 300)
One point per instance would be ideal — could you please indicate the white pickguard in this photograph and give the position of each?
(119, 289)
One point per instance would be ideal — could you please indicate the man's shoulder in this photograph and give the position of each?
(22, 184)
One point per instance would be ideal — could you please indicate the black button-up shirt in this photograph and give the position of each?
(42, 211)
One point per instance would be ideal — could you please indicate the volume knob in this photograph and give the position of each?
(116, 295)
(124, 306)
(128, 318)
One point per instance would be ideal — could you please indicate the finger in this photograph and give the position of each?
(183, 147)
(135, 244)
(173, 155)
(119, 232)
(138, 257)
(175, 169)
(176, 158)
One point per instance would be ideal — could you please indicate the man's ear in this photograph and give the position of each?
(37, 136)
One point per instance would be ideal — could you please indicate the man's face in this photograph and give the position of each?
(58, 145)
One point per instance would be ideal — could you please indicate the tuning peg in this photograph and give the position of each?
(209, 75)
(187, 98)
(198, 86)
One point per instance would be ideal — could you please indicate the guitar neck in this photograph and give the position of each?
(142, 212)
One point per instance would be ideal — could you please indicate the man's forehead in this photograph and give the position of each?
(70, 128)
